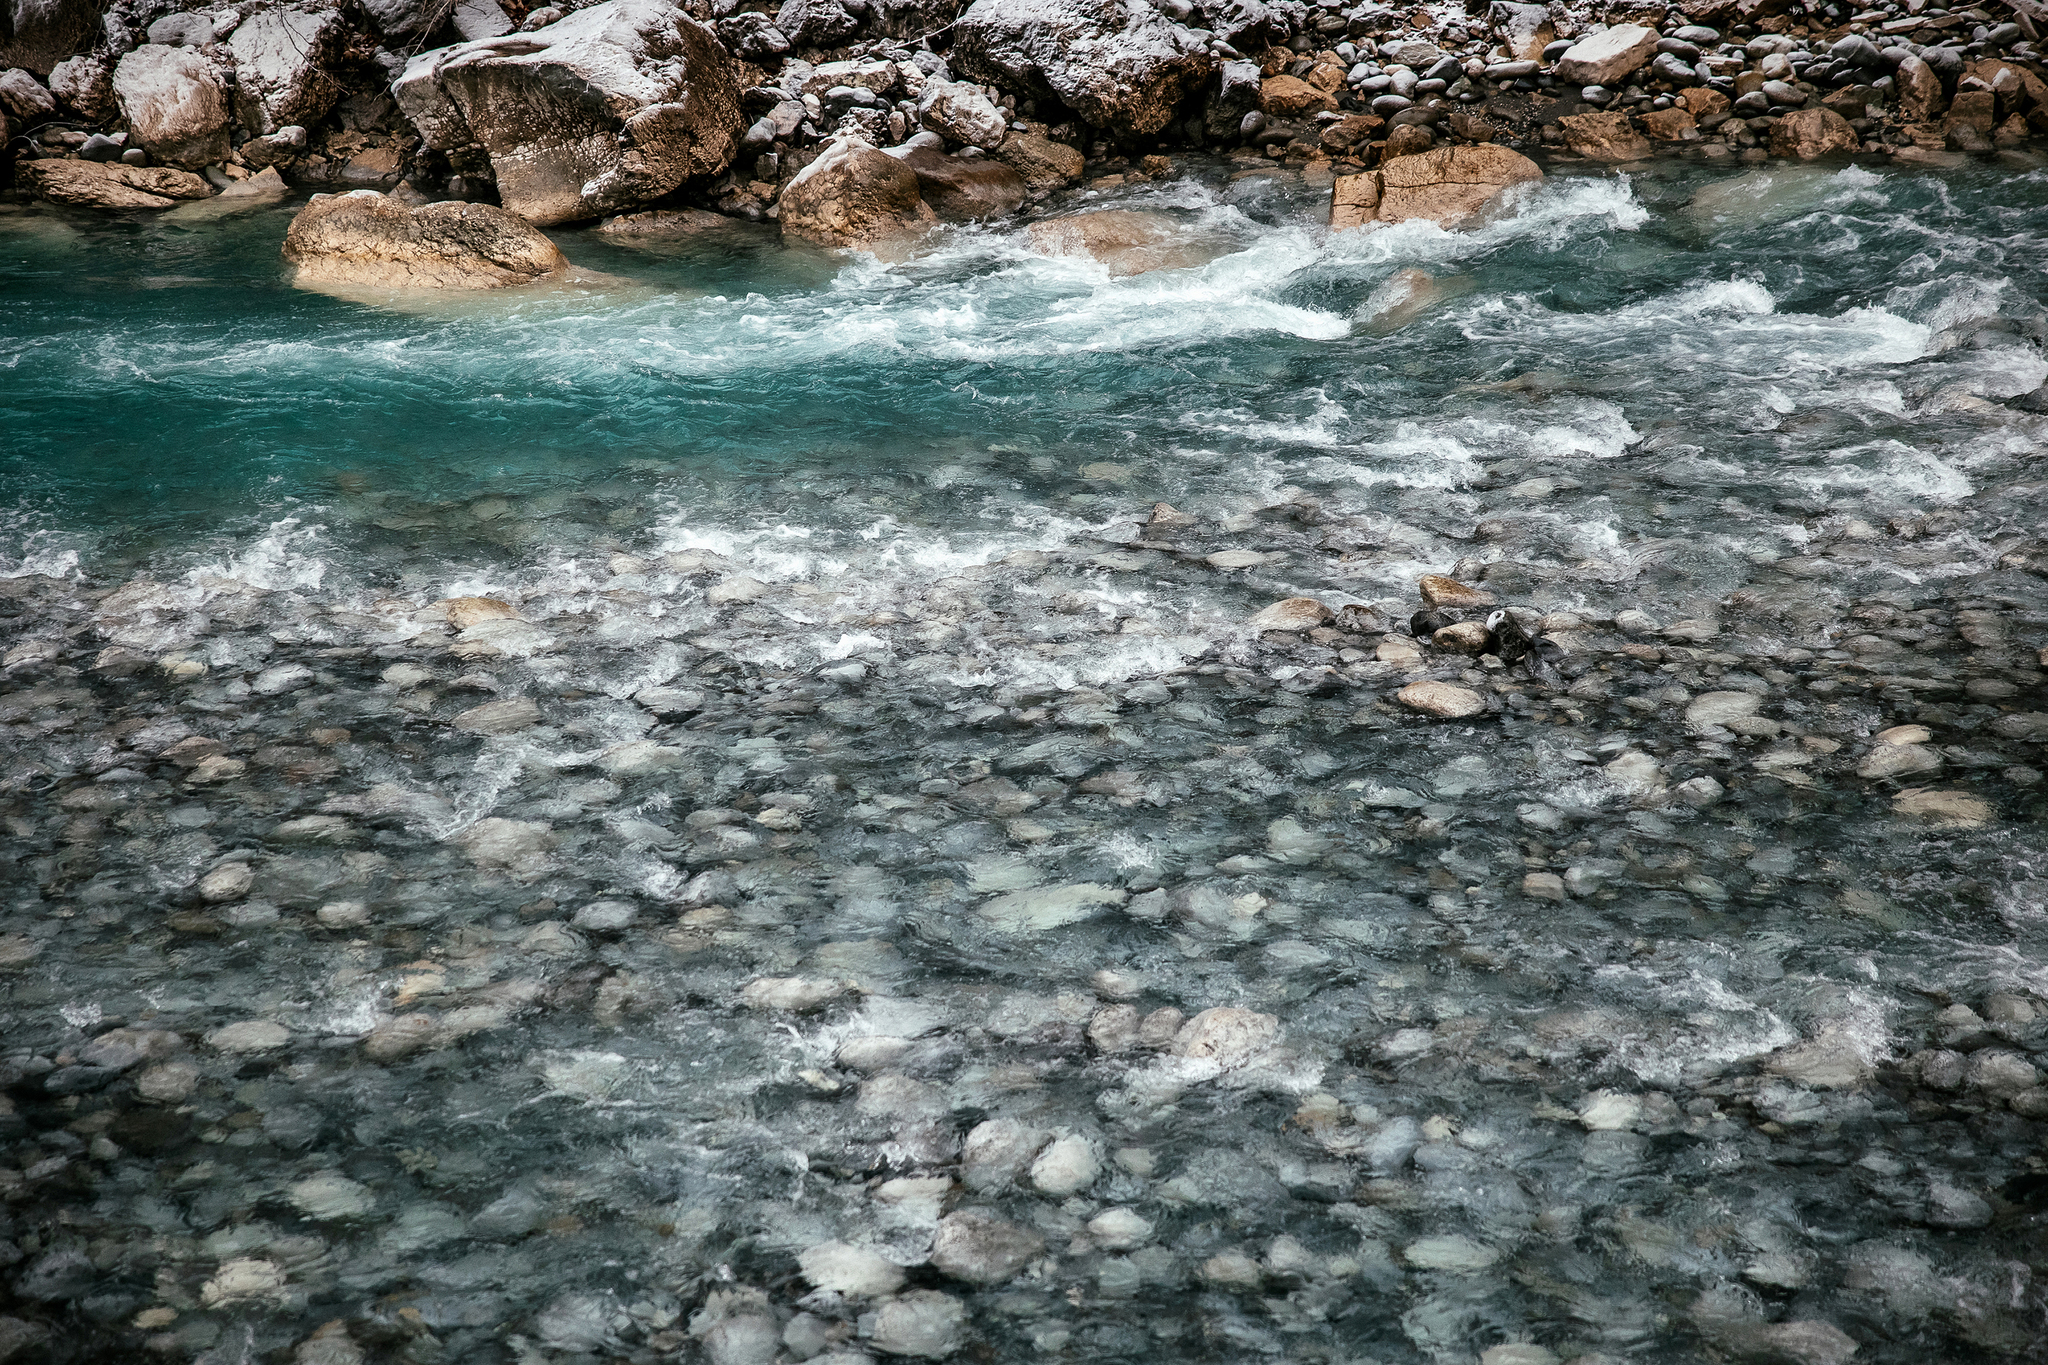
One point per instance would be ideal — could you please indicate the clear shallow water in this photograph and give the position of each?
(979, 771)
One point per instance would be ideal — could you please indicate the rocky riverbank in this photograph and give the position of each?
(857, 121)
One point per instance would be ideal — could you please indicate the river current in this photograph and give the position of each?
(713, 814)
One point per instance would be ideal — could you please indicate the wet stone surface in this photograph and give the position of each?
(851, 907)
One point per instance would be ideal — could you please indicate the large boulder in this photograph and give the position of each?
(1603, 58)
(109, 184)
(280, 55)
(963, 189)
(1117, 63)
(38, 34)
(176, 106)
(605, 110)
(365, 238)
(1450, 185)
(1808, 133)
(854, 195)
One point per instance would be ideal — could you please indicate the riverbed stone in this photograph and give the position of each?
(1067, 1166)
(364, 238)
(1127, 241)
(1227, 1035)
(845, 1269)
(1447, 700)
(1942, 809)
(981, 1247)
(505, 717)
(250, 1035)
(924, 1324)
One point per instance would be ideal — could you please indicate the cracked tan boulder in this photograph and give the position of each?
(1450, 185)
(364, 238)
(1810, 133)
(600, 112)
(110, 184)
(1604, 137)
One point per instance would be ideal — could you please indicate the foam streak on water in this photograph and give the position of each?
(792, 914)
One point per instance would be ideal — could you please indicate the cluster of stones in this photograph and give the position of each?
(984, 109)
(989, 1157)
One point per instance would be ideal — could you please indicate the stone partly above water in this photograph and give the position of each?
(110, 185)
(854, 195)
(1450, 185)
(1127, 241)
(365, 238)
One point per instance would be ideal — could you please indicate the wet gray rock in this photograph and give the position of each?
(980, 1247)
(922, 1324)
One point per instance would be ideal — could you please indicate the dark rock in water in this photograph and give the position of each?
(100, 147)
(150, 1131)
(614, 106)
(965, 189)
(1117, 66)
(365, 238)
